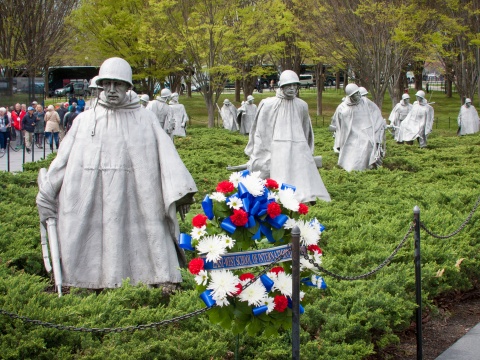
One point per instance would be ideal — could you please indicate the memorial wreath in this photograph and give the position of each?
(247, 222)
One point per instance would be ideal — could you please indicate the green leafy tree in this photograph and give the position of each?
(198, 31)
(458, 44)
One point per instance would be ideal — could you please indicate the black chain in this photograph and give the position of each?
(462, 226)
(103, 330)
(358, 277)
(134, 327)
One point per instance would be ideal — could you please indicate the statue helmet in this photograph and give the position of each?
(288, 77)
(165, 93)
(115, 69)
(93, 83)
(351, 89)
(250, 97)
(362, 90)
(420, 93)
(468, 100)
(405, 96)
(226, 101)
(175, 94)
(145, 98)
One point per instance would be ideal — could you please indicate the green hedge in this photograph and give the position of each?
(369, 215)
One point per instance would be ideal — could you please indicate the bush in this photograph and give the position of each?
(369, 215)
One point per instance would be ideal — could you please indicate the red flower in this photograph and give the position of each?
(280, 302)
(196, 265)
(239, 217)
(271, 184)
(240, 288)
(199, 220)
(247, 276)
(277, 269)
(273, 209)
(225, 187)
(314, 248)
(303, 209)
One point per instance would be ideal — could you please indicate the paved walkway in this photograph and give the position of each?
(13, 160)
(466, 348)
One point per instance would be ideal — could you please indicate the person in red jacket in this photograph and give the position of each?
(17, 117)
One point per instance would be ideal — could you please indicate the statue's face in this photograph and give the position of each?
(115, 91)
(420, 99)
(467, 105)
(290, 90)
(406, 101)
(356, 97)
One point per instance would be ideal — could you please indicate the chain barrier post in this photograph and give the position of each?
(418, 283)
(296, 293)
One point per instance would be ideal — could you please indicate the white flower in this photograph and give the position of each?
(272, 275)
(287, 198)
(198, 232)
(289, 224)
(229, 242)
(309, 233)
(235, 178)
(305, 265)
(214, 246)
(254, 184)
(201, 278)
(234, 203)
(302, 295)
(253, 294)
(223, 283)
(217, 196)
(221, 301)
(283, 283)
(273, 195)
(270, 304)
(317, 281)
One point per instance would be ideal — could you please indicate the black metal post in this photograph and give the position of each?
(418, 283)
(296, 293)
(8, 155)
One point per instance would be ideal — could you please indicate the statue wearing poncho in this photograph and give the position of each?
(468, 121)
(419, 121)
(114, 188)
(360, 132)
(281, 146)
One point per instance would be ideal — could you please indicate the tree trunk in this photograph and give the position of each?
(320, 80)
(418, 73)
(237, 90)
(208, 96)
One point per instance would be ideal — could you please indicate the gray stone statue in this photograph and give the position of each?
(144, 99)
(360, 131)
(228, 113)
(159, 106)
(281, 142)
(94, 92)
(113, 191)
(468, 121)
(398, 114)
(419, 121)
(247, 113)
(179, 115)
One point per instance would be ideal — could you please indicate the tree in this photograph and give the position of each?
(109, 28)
(458, 44)
(366, 35)
(32, 33)
(201, 29)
